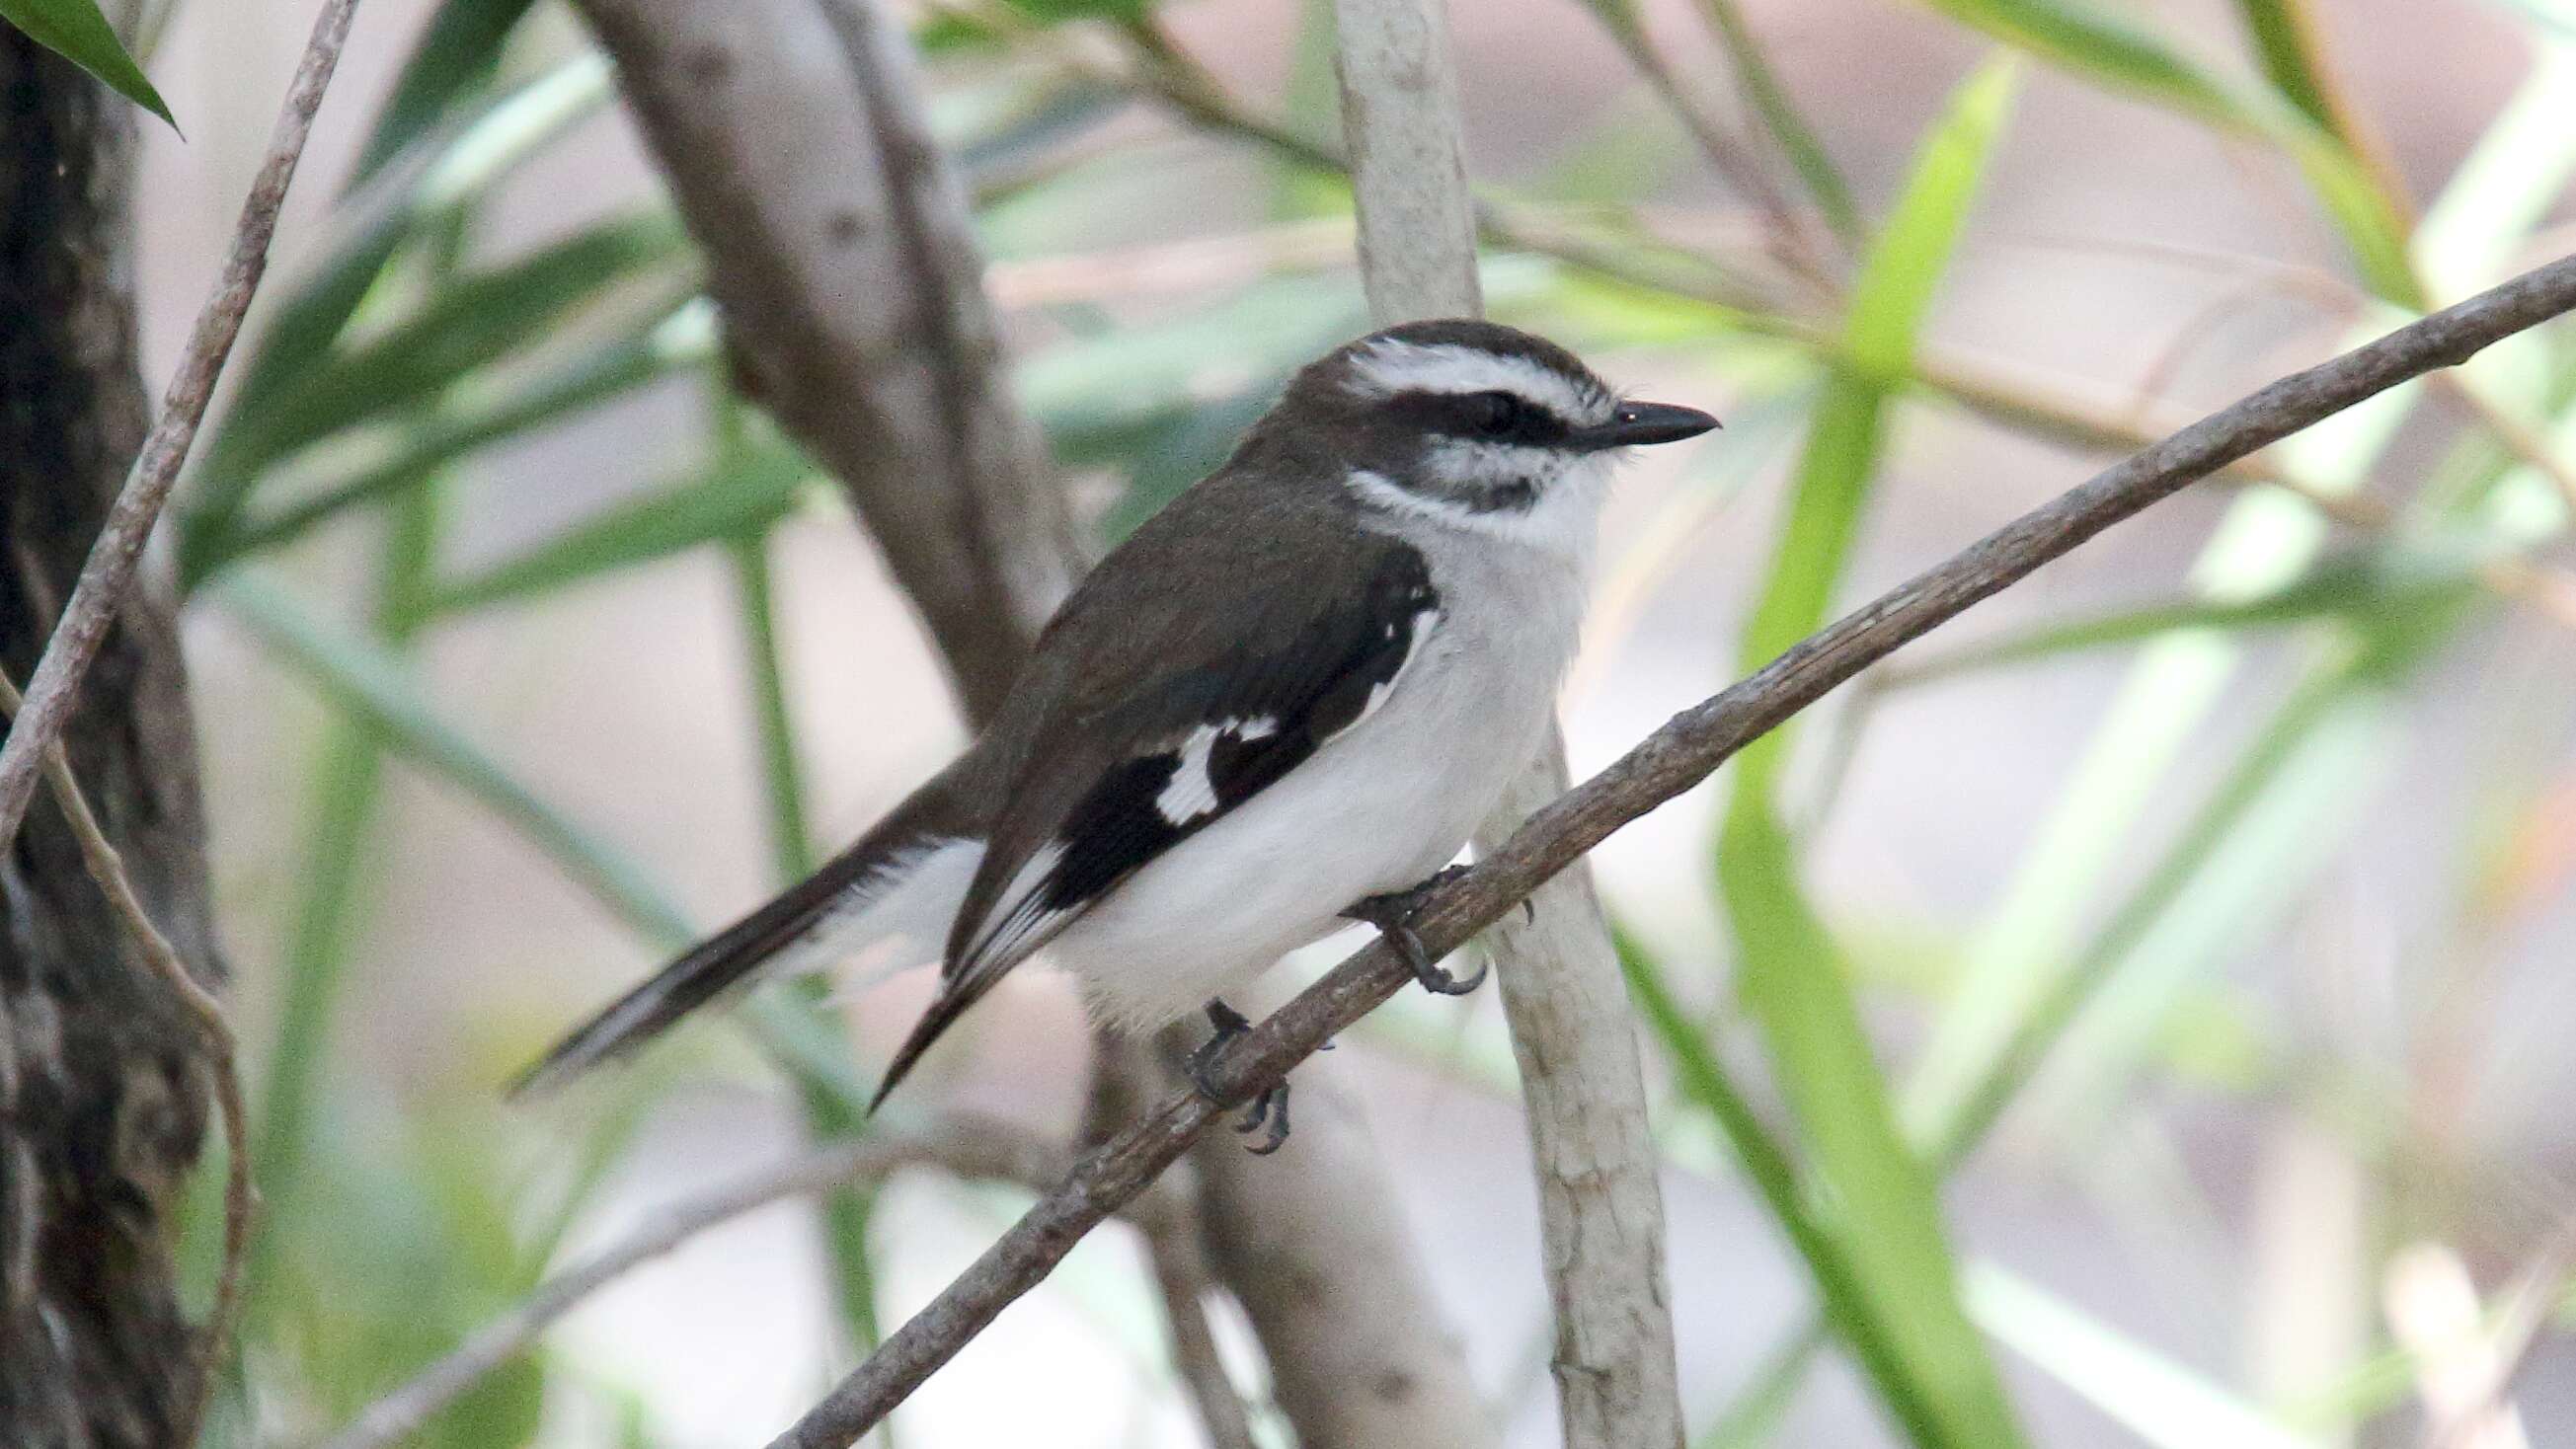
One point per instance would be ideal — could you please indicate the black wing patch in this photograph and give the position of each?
(1205, 741)
(1198, 743)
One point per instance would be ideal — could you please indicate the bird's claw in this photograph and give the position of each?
(1270, 1108)
(1392, 914)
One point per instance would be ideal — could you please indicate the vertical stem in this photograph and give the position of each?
(828, 1114)
(347, 787)
(1601, 1209)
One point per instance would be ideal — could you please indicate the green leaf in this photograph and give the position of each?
(2165, 1404)
(828, 1115)
(739, 495)
(472, 418)
(1797, 986)
(1887, 310)
(2364, 587)
(1792, 976)
(363, 680)
(470, 323)
(346, 790)
(76, 31)
(2285, 47)
(1771, 101)
(442, 172)
(458, 53)
(1847, 1299)
(2097, 44)
(2094, 44)
(1056, 12)
(2262, 544)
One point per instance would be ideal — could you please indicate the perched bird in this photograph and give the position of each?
(1279, 706)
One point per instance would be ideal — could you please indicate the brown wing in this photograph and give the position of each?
(1169, 728)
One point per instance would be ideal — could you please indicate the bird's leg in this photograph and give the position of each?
(1392, 914)
(1271, 1107)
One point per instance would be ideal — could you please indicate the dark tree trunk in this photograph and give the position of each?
(102, 1081)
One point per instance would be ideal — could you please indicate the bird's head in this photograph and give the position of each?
(1473, 424)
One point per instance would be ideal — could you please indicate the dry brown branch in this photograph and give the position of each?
(968, 1148)
(1601, 1210)
(104, 579)
(1685, 751)
(241, 1200)
(841, 253)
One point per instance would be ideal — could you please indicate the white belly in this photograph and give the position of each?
(1377, 809)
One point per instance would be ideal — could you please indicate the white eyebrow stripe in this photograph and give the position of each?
(1390, 367)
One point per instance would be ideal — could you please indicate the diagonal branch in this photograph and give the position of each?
(96, 599)
(1676, 757)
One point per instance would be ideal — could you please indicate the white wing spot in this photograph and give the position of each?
(1191, 792)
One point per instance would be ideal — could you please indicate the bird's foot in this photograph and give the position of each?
(1392, 914)
(1269, 1109)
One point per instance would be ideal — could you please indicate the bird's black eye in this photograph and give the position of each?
(1497, 414)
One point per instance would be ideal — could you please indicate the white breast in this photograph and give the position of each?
(1377, 809)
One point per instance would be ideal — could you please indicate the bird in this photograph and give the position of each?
(1280, 706)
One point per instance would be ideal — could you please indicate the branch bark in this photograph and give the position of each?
(1685, 751)
(106, 866)
(109, 574)
(102, 1077)
(795, 138)
(1601, 1209)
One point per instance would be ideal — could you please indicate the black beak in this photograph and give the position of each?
(1638, 423)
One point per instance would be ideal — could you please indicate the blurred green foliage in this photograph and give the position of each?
(399, 353)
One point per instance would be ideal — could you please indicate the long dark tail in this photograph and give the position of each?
(734, 955)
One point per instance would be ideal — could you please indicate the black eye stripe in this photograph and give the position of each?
(1493, 415)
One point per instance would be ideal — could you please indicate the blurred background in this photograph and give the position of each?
(2207, 896)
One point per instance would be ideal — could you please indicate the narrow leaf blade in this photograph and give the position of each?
(1792, 977)
(79, 33)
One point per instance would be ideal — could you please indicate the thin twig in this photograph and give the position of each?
(1678, 756)
(107, 867)
(109, 571)
(1787, 235)
(968, 1147)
